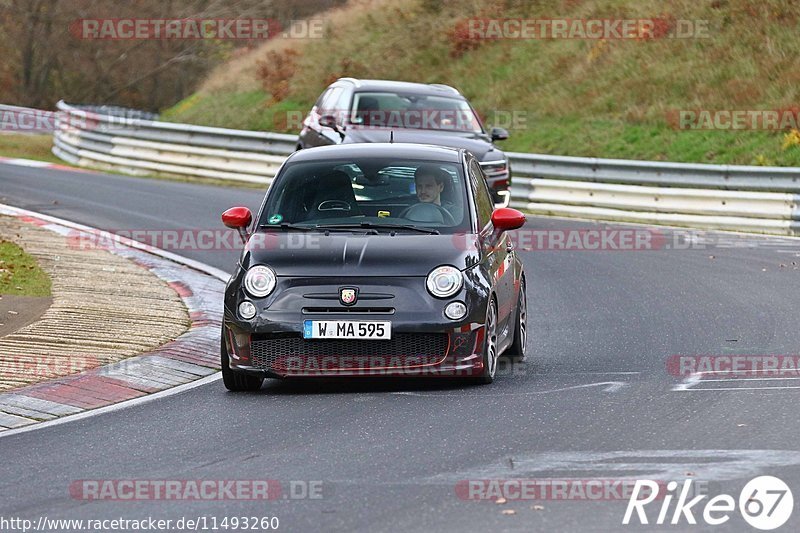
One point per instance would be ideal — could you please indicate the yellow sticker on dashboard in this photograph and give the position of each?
(383, 214)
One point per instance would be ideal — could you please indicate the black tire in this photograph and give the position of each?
(236, 381)
(517, 349)
(490, 354)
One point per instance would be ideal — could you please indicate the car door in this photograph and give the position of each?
(497, 247)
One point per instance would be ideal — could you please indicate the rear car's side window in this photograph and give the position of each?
(330, 100)
(483, 199)
(343, 104)
(318, 103)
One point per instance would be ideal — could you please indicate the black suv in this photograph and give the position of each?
(365, 111)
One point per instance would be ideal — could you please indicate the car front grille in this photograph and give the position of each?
(343, 310)
(286, 352)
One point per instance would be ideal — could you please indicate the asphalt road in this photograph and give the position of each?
(593, 401)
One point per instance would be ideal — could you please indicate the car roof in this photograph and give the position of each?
(396, 150)
(424, 89)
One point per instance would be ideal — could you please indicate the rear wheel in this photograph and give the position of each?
(489, 345)
(236, 381)
(517, 349)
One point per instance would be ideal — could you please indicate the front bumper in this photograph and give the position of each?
(454, 353)
(424, 342)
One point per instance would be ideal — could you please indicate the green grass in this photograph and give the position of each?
(26, 146)
(578, 97)
(20, 275)
(651, 142)
(249, 110)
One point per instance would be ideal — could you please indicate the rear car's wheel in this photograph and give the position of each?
(517, 349)
(236, 381)
(489, 345)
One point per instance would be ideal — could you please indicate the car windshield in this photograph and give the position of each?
(373, 193)
(403, 110)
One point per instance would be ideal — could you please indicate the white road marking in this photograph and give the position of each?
(690, 384)
(588, 373)
(27, 163)
(610, 386)
(742, 388)
(706, 465)
(747, 379)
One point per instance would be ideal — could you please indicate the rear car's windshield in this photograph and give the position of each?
(403, 110)
(371, 191)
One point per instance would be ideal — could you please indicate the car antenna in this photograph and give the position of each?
(391, 137)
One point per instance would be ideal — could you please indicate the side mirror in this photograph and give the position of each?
(499, 134)
(329, 121)
(238, 218)
(506, 219)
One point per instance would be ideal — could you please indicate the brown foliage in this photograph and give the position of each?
(44, 58)
(276, 70)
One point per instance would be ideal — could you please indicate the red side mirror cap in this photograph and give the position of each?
(237, 217)
(506, 219)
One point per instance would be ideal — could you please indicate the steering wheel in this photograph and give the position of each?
(333, 205)
(425, 212)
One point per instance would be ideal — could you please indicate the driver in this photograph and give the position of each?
(430, 181)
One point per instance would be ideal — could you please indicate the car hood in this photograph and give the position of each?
(478, 144)
(353, 254)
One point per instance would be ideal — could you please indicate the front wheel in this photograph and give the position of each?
(236, 381)
(489, 345)
(517, 349)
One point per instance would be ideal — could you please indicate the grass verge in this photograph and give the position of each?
(20, 275)
(28, 146)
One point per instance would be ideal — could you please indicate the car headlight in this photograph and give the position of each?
(260, 281)
(454, 310)
(247, 310)
(444, 281)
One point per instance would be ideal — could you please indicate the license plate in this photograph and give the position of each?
(347, 329)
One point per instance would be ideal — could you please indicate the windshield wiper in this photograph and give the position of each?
(375, 226)
(285, 226)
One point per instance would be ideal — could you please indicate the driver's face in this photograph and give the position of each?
(428, 191)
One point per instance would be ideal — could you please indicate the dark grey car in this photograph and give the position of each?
(367, 111)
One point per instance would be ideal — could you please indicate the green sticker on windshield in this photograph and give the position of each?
(275, 219)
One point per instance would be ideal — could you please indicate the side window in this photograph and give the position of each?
(481, 192)
(318, 103)
(329, 101)
(343, 105)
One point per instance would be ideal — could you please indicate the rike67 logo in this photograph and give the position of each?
(765, 503)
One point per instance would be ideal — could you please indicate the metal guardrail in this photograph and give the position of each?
(140, 146)
(727, 197)
(117, 111)
(16, 119)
